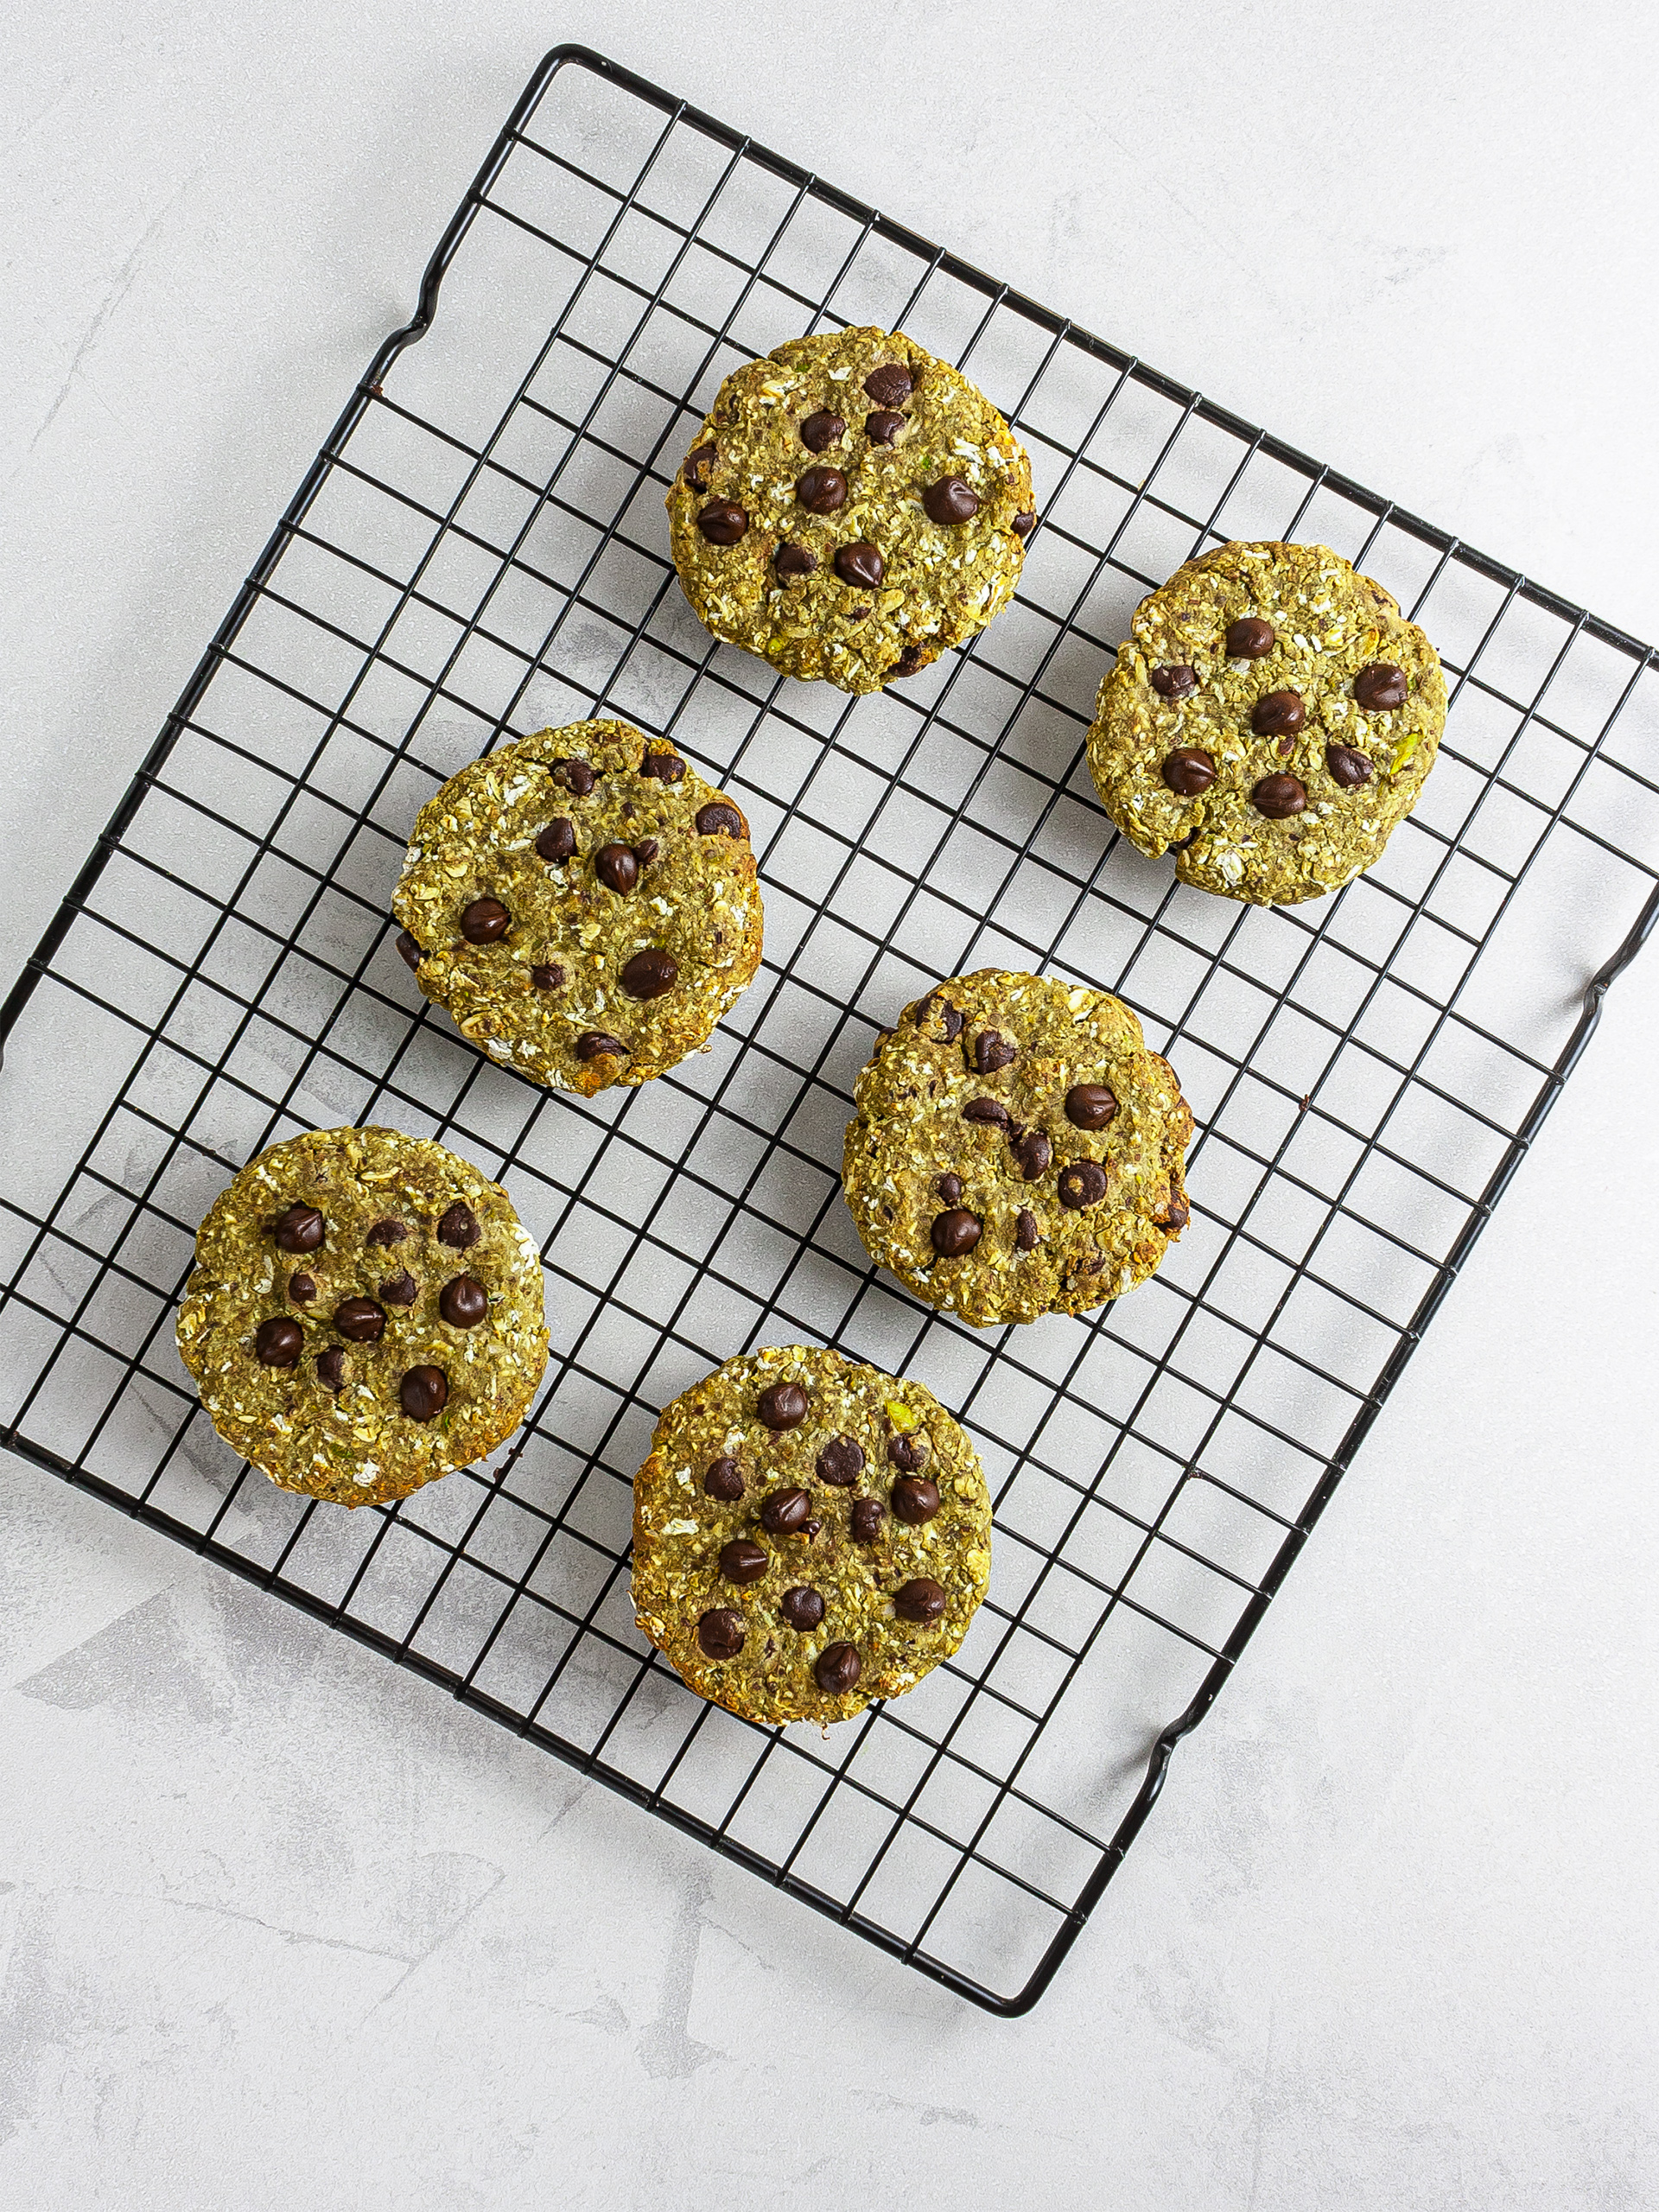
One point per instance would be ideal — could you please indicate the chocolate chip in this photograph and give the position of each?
(1279, 797)
(387, 1231)
(868, 1514)
(1348, 768)
(950, 1016)
(546, 975)
(840, 1462)
(921, 1601)
(1189, 770)
(277, 1343)
(359, 1320)
(955, 1233)
(647, 851)
(598, 1044)
(915, 1499)
(723, 522)
(459, 1227)
(664, 763)
(792, 561)
(1032, 1154)
(786, 1512)
(1249, 637)
(949, 1189)
(649, 973)
(399, 1290)
(699, 466)
(801, 1608)
(948, 499)
(913, 658)
(1175, 1218)
(1380, 686)
(861, 564)
(821, 490)
(720, 818)
(782, 1405)
(1083, 1184)
(424, 1393)
(615, 865)
(890, 385)
(577, 776)
(992, 1051)
(299, 1230)
(558, 841)
(744, 1560)
(991, 1110)
(907, 1451)
(1026, 1234)
(484, 921)
(1278, 714)
(1090, 1105)
(301, 1288)
(837, 1669)
(720, 1633)
(330, 1368)
(723, 1481)
(1024, 523)
(882, 428)
(821, 429)
(407, 950)
(1180, 844)
(1179, 681)
(463, 1301)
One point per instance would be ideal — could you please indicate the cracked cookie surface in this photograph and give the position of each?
(1016, 1150)
(1271, 720)
(850, 507)
(808, 1534)
(583, 904)
(366, 1314)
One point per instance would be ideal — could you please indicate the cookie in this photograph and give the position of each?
(1270, 721)
(808, 1534)
(849, 508)
(366, 1314)
(583, 904)
(1016, 1150)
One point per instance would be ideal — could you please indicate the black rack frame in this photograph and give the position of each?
(68, 1323)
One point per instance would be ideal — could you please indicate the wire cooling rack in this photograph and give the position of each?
(480, 549)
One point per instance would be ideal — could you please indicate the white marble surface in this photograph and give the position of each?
(282, 1927)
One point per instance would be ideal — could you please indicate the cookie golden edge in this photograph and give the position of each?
(358, 1448)
(895, 1150)
(1334, 621)
(678, 1533)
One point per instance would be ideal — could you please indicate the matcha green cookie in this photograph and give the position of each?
(366, 1314)
(1270, 721)
(1017, 1150)
(583, 904)
(807, 1534)
(849, 508)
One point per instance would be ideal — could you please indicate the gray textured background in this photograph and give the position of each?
(282, 1927)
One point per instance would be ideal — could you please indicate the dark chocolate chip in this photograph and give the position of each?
(949, 1189)
(1278, 714)
(955, 1233)
(950, 1016)
(1179, 681)
(459, 1227)
(743, 1559)
(302, 1287)
(890, 385)
(992, 1051)
(699, 466)
(840, 1462)
(915, 1499)
(720, 818)
(1249, 637)
(558, 841)
(723, 1481)
(907, 1452)
(649, 973)
(913, 659)
(1090, 1105)
(399, 1290)
(792, 561)
(948, 499)
(330, 1368)
(598, 1044)
(299, 1230)
(921, 1601)
(546, 975)
(1348, 768)
(463, 1301)
(1032, 1154)
(803, 1608)
(1380, 686)
(1279, 797)
(1025, 1233)
(615, 865)
(821, 490)
(720, 1633)
(647, 851)
(1180, 844)
(359, 1320)
(782, 1405)
(837, 1669)
(821, 429)
(786, 1512)
(723, 522)
(1083, 1184)
(991, 1110)
(484, 921)
(424, 1393)
(868, 1514)
(1024, 523)
(577, 776)
(1177, 1214)
(861, 564)
(387, 1231)
(1189, 770)
(664, 763)
(407, 950)
(882, 428)
(277, 1343)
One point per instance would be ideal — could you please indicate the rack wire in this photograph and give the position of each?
(479, 549)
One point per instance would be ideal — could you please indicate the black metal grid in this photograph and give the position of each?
(480, 549)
